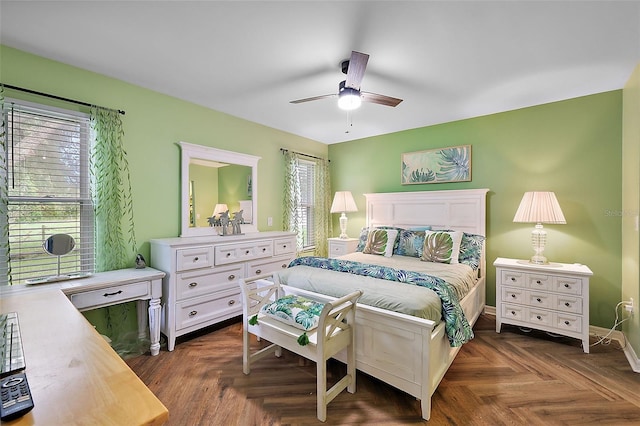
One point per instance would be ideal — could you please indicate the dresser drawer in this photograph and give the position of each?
(202, 282)
(567, 285)
(268, 265)
(514, 278)
(194, 258)
(199, 310)
(232, 253)
(108, 296)
(284, 246)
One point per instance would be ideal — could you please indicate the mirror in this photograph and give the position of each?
(58, 245)
(211, 176)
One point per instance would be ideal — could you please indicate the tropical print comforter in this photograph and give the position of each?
(457, 327)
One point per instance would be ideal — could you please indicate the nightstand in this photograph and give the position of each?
(342, 246)
(553, 297)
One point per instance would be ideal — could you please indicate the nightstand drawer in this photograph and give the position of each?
(570, 323)
(539, 282)
(514, 312)
(514, 278)
(568, 304)
(567, 285)
(538, 317)
(514, 295)
(540, 299)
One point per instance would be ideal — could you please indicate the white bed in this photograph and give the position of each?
(407, 352)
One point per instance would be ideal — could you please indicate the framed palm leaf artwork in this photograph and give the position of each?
(440, 165)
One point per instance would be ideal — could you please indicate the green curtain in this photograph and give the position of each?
(114, 236)
(4, 194)
(322, 205)
(291, 221)
(321, 202)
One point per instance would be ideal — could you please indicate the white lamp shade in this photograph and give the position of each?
(343, 202)
(220, 208)
(539, 207)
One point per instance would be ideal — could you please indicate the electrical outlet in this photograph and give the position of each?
(629, 306)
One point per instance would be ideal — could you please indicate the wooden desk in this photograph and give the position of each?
(74, 375)
(111, 288)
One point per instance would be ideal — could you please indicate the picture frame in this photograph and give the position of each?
(441, 165)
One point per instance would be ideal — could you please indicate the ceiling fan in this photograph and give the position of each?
(349, 94)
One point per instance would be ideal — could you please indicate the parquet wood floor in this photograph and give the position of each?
(511, 378)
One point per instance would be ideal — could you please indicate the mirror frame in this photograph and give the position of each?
(190, 152)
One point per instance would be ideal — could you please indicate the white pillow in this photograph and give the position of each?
(381, 242)
(441, 246)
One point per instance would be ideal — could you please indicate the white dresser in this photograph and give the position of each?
(553, 298)
(201, 283)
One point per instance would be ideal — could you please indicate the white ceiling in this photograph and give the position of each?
(447, 60)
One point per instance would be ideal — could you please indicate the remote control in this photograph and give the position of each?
(15, 396)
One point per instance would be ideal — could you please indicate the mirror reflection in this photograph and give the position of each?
(212, 177)
(216, 184)
(58, 245)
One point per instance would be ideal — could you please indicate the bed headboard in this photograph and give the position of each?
(460, 210)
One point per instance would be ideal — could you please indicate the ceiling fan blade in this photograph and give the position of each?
(379, 99)
(314, 98)
(355, 73)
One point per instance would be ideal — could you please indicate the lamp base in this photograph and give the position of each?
(538, 260)
(343, 226)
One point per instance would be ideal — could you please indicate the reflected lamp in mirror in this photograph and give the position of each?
(343, 203)
(539, 207)
(220, 208)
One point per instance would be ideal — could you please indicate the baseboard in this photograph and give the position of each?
(617, 335)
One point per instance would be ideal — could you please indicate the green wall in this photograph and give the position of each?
(571, 147)
(153, 124)
(631, 205)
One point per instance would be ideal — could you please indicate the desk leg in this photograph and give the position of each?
(154, 325)
(141, 307)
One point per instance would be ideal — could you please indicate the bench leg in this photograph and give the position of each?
(351, 367)
(321, 367)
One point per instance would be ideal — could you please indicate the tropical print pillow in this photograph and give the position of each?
(296, 311)
(381, 242)
(410, 243)
(441, 246)
(364, 234)
(471, 250)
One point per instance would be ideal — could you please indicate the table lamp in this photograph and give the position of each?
(343, 203)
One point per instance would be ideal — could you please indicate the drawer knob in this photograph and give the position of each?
(513, 295)
(112, 294)
(567, 285)
(284, 266)
(195, 259)
(246, 252)
(567, 304)
(539, 317)
(228, 254)
(513, 278)
(264, 249)
(513, 312)
(285, 246)
(232, 302)
(538, 282)
(232, 277)
(539, 300)
(193, 313)
(192, 285)
(258, 271)
(567, 323)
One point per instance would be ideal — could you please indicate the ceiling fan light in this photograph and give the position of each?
(349, 99)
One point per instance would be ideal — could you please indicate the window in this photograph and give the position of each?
(306, 174)
(47, 152)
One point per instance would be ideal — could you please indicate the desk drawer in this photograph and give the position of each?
(110, 295)
(207, 308)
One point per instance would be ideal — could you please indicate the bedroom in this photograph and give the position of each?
(578, 143)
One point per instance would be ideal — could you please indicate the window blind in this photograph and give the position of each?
(48, 189)
(306, 172)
